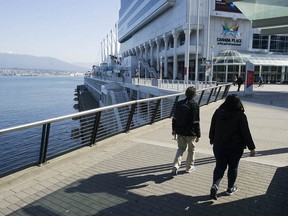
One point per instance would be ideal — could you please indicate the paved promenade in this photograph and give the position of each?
(129, 174)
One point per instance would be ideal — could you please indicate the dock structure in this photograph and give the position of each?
(129, 174)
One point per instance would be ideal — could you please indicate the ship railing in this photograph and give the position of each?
(38, 142)
(176, 85)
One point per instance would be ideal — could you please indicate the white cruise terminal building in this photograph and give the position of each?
(177, 39)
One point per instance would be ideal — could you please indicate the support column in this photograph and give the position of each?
(105, 50)
(157, 40)
(102, 55)
(108, 47)
(130, 52)
(226, 74)
(151, 52)
(175, 63)
(165, 38)
(141, 52)
(137, 52)
(282, 74)
(111, 44)
(187, 54)
(239, 72)
(146, 52)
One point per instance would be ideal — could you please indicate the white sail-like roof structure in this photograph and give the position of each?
(271, 17)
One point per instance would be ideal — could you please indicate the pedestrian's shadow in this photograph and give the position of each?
(123, 180)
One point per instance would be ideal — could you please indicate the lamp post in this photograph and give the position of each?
(161, 69)
(138, 71)
(212, 65)
(197, 48)
(209, 68)
(208, 72)
(187, 41)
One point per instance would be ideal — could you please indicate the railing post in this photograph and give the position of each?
(216, 88)
(227, 87)
(174, 105)
(201, 96)
(218, 93)
(210, 95)
(155, 111)
(130, 117)
(95, 128)
(44, 143)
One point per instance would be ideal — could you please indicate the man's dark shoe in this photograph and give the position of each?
(213, 192)
(231, 191)
(174, 171)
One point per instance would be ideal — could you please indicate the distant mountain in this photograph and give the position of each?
(21, 61)
(84, 64)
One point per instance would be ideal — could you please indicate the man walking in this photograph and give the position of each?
(239, 82)
(186, 126)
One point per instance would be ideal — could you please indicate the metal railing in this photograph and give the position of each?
(35, 143)
(95, 82)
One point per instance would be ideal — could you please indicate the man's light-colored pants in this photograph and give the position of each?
(183, 142)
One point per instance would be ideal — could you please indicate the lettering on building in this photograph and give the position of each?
(229, 41)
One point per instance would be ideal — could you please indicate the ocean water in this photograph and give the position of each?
(28, 99)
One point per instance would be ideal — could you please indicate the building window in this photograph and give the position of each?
(260, 42)
(181, 39)
(279, 43)
(171, 42)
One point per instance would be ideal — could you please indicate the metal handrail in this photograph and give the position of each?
(35, 143)
(88, 112)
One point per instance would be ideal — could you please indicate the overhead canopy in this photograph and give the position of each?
(271, 17)
(233, 57)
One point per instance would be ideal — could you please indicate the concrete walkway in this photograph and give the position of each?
(129, 174)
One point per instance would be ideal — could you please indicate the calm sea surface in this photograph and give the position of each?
(29, 99)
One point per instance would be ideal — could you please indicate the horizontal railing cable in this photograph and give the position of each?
(35, 143)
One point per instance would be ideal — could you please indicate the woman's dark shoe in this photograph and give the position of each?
(231, 191)
(213, 192)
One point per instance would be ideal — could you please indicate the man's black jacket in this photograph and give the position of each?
(193, 126)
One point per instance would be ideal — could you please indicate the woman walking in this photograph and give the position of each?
(230, 135)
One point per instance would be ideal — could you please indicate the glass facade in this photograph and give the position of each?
(128, 15)
(124, 6)
(144, 10)
(278, 43)
(221, 5)
(135, 13)
(260, 42)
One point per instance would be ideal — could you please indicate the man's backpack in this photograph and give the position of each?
(182, 113)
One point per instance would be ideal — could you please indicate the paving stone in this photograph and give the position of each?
(129, 174)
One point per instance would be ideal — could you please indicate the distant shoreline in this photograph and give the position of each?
(38, 72)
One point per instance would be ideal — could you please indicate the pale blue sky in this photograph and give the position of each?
(70, 30)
